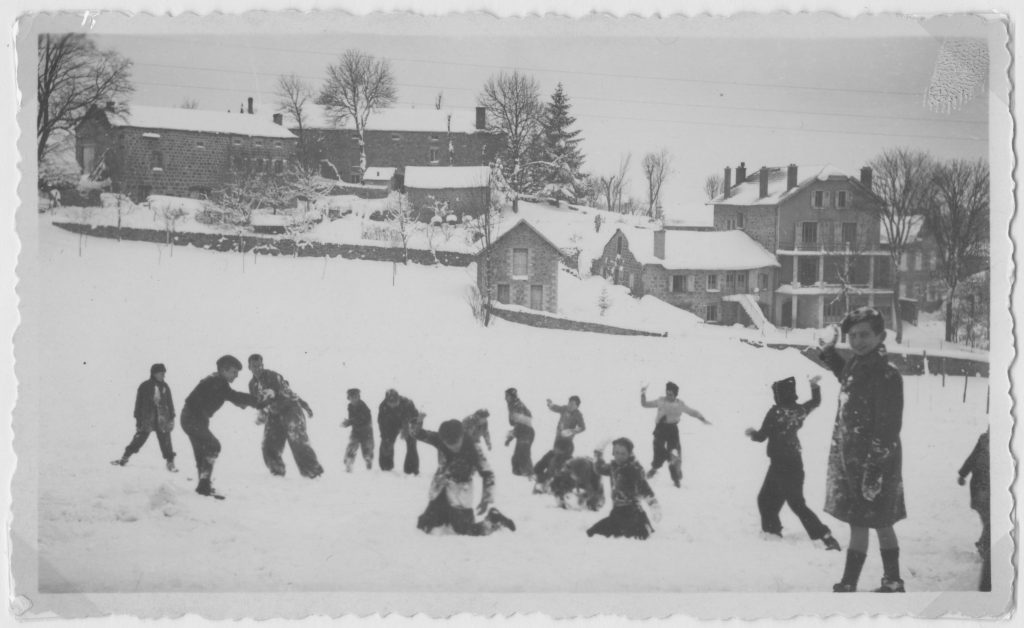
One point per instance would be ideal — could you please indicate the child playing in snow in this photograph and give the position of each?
(865, 463)
(361, 436)
(451, 490)
(977, 466)
(521, 420)
(570, 423)
(629, 488)
(784, 482)
(477, 429)
(154, 411)
(666, 430)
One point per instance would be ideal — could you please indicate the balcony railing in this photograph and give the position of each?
(831, 245)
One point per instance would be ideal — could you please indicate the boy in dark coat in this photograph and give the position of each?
(154, 411)
(977, 466)
(784, 482)
(394, 416)
(629, 488)
(281, 414)
(570, 423)
(865, 463)
(477, 429)
(451, 490)
(667, 447)
(521, 420)
(205, 399)
(361, 436)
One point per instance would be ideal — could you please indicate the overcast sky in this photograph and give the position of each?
(784, 92)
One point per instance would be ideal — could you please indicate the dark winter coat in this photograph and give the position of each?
(865, 463)
(209, 395)
(455, 469)
(567, 420)
(780, 427)
(359, 419)
(148, 415)
(393, 421)
(977, 466)
(284, 402)
(629, 484)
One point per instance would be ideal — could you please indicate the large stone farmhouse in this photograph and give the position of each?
(400, 137)
(179, 152)
(722, 276)
(824, 229)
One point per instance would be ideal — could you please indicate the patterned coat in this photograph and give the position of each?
(154, 407)
(284, 403)
(781, 425)
(455, 469)
(865, 462)
(629, 484)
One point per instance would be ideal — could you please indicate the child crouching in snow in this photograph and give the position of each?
(451, 490)
(629, 488)
(784, 482)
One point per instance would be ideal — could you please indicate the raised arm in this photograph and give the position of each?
(644, 402)
(815, 396)
(835, 362)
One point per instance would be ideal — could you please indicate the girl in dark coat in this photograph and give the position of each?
(629, 488)
(865, 478)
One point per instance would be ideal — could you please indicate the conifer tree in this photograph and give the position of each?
(558, 149)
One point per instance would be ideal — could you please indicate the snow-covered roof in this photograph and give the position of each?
(913, 230)
(748, 191)
(425, 119)
(178, 119)
(700, 250)
(443, 177)
(696, 216)
(526, 223)
(378, 174)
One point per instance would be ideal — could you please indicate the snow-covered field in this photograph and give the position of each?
(328, 326)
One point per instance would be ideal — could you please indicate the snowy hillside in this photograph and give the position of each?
(334, 324)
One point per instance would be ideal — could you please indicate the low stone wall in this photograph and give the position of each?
(267, 245)
(907, 364)
(550, 322)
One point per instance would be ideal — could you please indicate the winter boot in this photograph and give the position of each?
(171, 467)
(348, 467)
(206, 489)
(120, 462)
(831, 543)
(891, 581)
(851, 574)
(496, 517)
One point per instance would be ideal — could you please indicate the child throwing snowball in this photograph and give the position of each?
(629, 489)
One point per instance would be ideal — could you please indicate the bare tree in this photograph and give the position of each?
(514, 108)
(357, 86)
(902, 179)
(713, 186)
(401, 217)
(657, 167)
(612, 186)
(293, 95)
(72, 76)
(189, 103)
(959, 221)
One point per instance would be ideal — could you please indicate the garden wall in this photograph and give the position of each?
(537, 319)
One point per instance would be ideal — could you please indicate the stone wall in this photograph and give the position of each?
(267, 245)
(536, 319)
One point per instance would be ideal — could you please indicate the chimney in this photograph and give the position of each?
(250, 104)
(659, 244)
(741, 172)
(481, 118)
(762, 182)
(865, 176)
(727, 182)
(279, 119)
(791, 177)
(110, 106)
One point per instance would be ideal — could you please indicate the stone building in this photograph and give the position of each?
(179, 152)
(824, 229)
(722, 276)
(520, 267)
(459, 190)
(400, 137)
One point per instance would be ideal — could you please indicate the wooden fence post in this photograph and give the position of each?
(965, 387)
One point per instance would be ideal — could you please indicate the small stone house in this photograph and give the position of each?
(722, 276)
(382, 177)
(463, 190)
(521, 268)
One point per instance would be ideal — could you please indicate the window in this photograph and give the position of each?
(395, 137)
(739, 220)
(278, 166)
(905, 261)
(434, 155)
(933, 261)
(277, 144)
(355, 138)
(809, 233)
(712, 283)
(236, 141)
(818, 200)
(741, 282)
(841, 199)
(201, 144)
(258, 143)
(807, 271)
(503, 293)
(918, 291)
(520, 259)
(156, 160)
(712, 313)
(919, 260)
(678, 283)
(903, 291)
(762, 281)
(730, 282)
(691, 283)
(433, 138)
(537, 297)
(834, 309)
(849, 234)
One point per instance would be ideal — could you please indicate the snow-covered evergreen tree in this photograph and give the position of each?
(559, 145)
